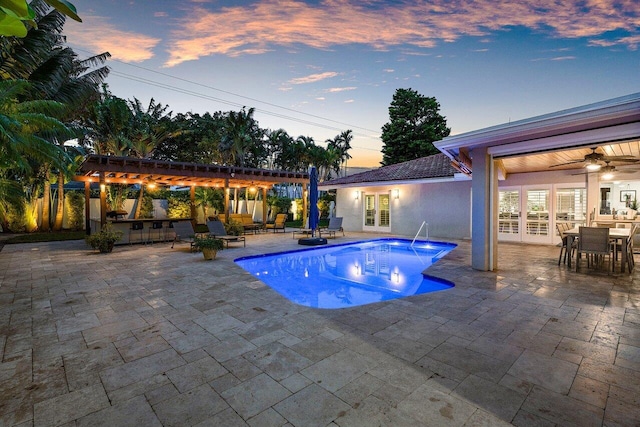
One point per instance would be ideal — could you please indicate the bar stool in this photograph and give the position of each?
(137, 227)
(157, 230)
(169, 232)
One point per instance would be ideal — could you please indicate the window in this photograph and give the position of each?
(571, 205)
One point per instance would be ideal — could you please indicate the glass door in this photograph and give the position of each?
(377, 215)
(369, 210)
(509, 215)
(536, 203)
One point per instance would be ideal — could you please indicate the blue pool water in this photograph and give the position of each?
(351, 274)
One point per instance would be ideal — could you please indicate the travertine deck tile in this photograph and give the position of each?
(108, 340)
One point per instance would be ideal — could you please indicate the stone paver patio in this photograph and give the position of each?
(154, 336)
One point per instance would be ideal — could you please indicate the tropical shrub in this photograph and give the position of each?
(282, 204)
(234, 228)
(179, 205)
(146, 210)
(76, 210)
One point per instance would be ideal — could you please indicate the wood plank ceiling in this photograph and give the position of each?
(544, 161)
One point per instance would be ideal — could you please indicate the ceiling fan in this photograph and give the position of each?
(608, 171)
(593, 159)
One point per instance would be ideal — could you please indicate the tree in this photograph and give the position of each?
(25, 131)
(55, 73)
(241, 140)
(146, 133)
(341, 144)
(17, 15)
(414, 125)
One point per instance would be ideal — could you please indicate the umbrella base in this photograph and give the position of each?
(312, 241)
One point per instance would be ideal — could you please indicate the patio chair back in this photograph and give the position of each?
(335, 223)
(594, 240)
(184, 232)
(564, 250)
(216, 228)
(279, 223)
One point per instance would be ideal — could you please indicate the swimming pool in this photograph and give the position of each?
(351, 274)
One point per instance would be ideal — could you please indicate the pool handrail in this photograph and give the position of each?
(426, 232)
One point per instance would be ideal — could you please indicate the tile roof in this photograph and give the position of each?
(435, 166)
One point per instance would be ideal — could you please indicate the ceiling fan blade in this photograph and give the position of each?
(626, 159)
(572, 162)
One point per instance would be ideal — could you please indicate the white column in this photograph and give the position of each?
(593, 196)
(484, 202)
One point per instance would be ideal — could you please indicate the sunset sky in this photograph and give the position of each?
(316, 68)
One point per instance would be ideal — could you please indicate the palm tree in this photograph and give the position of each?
(147, 132)
(341, 144)
(55, 73)
(344, 147)
(241, 139)
(26, 128)
(207, 197)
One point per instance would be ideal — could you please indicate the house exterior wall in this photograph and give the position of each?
(445, 206)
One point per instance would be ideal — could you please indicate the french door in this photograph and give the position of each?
(376, 214)
(536, 204)
(509, 215)
(529, 213)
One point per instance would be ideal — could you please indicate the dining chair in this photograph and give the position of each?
(594, 242)
(630, 258)
(564, 250)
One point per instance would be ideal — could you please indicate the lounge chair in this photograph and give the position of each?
(278, 223)
(335, 224)
(303, 231)
(247, 222)
(184, 233)
(216, 229)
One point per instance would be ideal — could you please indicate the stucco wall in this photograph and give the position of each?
(445, 206)
(539, 178)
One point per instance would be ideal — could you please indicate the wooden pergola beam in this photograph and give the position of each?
(128, 170)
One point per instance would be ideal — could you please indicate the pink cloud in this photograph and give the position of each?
(378, 24)
(340, 89)
(312, 78)
(98, 35)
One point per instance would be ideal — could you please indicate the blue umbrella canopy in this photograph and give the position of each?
(313, 199)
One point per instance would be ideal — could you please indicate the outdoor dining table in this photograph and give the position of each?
(617, 234)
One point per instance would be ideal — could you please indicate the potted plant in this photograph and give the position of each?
(208, 245)
(104, 239)
(633, 208)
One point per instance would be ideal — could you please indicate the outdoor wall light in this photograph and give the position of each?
(103, 187)
(356, 195)
(396, 194)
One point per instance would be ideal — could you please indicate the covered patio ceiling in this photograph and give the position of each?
(537, 143)
(543, 161)
(129, 170)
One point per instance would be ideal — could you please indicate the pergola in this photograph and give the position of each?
(128, 170)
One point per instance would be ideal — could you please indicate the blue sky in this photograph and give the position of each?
(317, 68)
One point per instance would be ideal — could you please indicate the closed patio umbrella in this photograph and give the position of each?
(313, 200)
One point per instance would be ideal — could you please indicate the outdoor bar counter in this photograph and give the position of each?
(149, 233)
